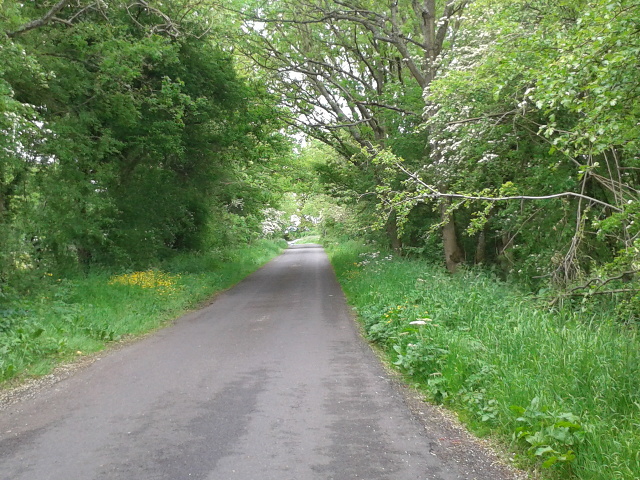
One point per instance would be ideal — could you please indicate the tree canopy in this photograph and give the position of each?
(497, 132)
(127, 133)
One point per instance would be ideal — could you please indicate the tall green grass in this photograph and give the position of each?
(561, 390)
(75, 316)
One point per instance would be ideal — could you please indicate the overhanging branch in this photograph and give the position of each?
(40, 22)
(434, 193)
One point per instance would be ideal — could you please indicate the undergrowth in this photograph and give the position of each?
(75, 316)
(562, 391)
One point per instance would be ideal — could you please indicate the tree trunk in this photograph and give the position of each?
(392, 233)
(481, 247)
(505, 254)
(452, 252)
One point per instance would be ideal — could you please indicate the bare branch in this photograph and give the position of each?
(91, 6)
(484, 117)
(169, 27)
(345, 125)
(40, 22)
(63, 21)
(437, 194)
(390, 107)
(601, 283)
(516, 197)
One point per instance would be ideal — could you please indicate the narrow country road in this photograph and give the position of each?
(269, 382)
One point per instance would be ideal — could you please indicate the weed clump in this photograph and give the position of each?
(163, 283)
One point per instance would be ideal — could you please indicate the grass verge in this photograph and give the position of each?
(561, 391)
(76, 316)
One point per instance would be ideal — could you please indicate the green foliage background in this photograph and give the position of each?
(500, 133)
(126, 137)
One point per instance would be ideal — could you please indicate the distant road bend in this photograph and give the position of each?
(269, 382)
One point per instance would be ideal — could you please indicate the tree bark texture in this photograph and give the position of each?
(392, 233)
(452, 252)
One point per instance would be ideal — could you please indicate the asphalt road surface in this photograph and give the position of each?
(269, 382)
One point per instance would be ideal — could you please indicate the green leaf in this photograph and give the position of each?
(543, 451)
